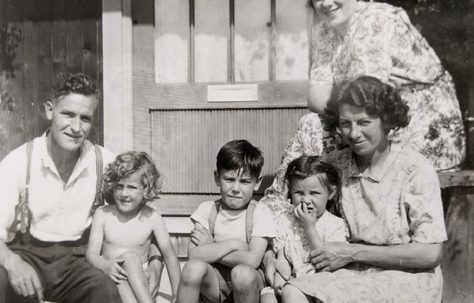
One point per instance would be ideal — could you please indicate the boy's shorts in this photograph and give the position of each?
(223, 274)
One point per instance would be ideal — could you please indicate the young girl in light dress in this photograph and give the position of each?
(313, 188)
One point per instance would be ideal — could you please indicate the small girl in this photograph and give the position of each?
(313, 188)
(122, 231)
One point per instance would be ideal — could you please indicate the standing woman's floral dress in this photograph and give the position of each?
(381, 42)
(395, 202)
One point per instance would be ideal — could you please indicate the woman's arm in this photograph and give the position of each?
(335, 255)
(319, 95)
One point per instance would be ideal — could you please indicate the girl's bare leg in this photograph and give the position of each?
(292, 294)
(136, 277)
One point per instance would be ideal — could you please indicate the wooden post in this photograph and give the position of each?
(117, 74)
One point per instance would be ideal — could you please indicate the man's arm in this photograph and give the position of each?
(251, 256)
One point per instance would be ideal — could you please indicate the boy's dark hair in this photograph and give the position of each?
(240, 154)
(127, 164)
(69, 83)
(307, 166)
(378, 98)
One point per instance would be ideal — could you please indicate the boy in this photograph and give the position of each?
(121, 232)
(230, 235)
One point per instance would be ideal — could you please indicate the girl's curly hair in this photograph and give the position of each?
(379, 99)
(127, 164)
(69, 83)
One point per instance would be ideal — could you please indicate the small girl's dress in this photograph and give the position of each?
(295, 244)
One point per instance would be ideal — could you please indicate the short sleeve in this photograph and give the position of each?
(202, 213)
(372, 46)
(338, 232)
(264, 225)
(424, 206)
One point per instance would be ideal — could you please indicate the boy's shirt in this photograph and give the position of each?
(230, 224)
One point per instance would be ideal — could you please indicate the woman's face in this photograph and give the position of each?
(334, 12)
(364, 133)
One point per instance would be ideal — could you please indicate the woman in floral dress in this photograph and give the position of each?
(391, 202)
(352, 38)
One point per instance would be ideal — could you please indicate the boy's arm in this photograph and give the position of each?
(251, 256)
(207, 251)
(164, 244)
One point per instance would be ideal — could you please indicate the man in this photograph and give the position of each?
(46, 206)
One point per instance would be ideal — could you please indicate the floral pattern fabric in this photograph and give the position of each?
(397, 202)
(381, 42)
(295, 244)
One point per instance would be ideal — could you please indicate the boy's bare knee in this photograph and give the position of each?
(243, 276)
(193, 272)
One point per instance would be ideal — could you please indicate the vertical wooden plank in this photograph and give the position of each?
(13, 107)
(171, 41)
(458, 258)
(90, 56)
(252, 36)
(211, 40)
(292, 20)
(44, 66)
(74, 35)
(31, 65)
(59, 38)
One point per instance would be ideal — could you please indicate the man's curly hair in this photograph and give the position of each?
(127, 164)
(379, 99)
(69, 83)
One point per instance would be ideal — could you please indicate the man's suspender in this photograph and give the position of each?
(248, 218)
(23, 209)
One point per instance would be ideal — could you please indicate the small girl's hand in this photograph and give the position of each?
(116, 272)
(306, 218)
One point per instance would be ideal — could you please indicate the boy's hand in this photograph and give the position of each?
(306, 218)
(201, 236)
(115, 272)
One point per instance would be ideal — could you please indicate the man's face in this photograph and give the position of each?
(236, 187)
(71, 119)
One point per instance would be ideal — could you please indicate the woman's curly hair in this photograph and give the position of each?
(69, 83)
(127, 164)
(379, 99)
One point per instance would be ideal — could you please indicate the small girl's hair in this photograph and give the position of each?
(307, 166)
(127, 164)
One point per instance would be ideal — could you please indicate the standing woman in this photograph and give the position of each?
(391, 203)
(351, 38)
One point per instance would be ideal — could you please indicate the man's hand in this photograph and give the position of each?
(23, 278)
(201, 236)
(153, 275)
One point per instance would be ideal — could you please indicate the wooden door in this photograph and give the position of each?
(39, 38)
(185, 52)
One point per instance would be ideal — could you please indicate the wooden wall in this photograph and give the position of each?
(39, 38)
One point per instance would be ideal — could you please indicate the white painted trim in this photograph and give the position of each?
(117, 74)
